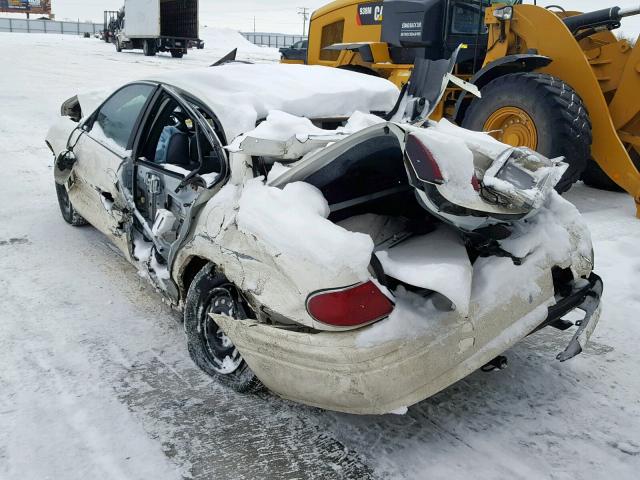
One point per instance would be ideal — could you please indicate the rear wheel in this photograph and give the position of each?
(538, 111)
(66, 209)
(149, 48)
(177, 53)
(595, 177)
(209, 347)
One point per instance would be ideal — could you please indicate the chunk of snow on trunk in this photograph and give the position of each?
(282, 126)
(276, 170)
(455, 160)
(359, 121)
(293, 222)
(476, 141)
(556, 231)
(412, 316)
(437, 261)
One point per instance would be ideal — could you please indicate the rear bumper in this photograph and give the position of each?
(334, 371)
(585, 297)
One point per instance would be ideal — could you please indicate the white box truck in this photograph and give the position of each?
(158, 26)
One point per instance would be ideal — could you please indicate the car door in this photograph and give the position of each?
(179, 165)
(103, 156)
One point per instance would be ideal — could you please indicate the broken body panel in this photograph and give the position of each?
(377, 194)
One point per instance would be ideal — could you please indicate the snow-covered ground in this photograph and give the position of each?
(95, 380)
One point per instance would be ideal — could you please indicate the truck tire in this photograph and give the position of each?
(177, 53)
(118, 46)
(538, 111)
(210, 349)
(595, 177)
(66, 209)
(149, 48)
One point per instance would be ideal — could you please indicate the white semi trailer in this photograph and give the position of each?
(158, 26)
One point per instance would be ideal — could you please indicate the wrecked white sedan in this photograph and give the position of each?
(321, 236)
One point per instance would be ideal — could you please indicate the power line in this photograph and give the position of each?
(304, 11)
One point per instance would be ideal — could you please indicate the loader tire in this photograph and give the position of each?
(595, 177)
(209, 348)
(541, 112)
(149, 48)
(66, 209)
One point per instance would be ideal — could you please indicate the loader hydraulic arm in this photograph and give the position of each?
(607, 17)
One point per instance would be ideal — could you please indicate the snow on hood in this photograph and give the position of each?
(241, 94)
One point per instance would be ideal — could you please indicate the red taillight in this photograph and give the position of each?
(423, 162)
(351, 306)
(475, 183)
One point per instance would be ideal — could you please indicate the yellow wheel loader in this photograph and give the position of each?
(555, 81)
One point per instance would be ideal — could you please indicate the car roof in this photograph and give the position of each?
(242, 94)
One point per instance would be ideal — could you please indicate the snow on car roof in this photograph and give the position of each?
(241, 94)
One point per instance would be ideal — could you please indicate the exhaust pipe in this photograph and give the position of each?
(608, 17)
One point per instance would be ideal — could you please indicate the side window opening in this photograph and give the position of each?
(171, 141)
(331, 34)
(116, 119)
(467, 19)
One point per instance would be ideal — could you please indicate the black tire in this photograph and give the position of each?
(66, 209)
(209, 348)
(177, 53)
(118, 46)
(559, 114)
(595, 177)
(149, 48)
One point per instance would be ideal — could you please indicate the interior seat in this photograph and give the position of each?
(178, 152)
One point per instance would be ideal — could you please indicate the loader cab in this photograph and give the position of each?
(433, 29)
(412, 29)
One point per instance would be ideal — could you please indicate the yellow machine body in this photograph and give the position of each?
(602, 69)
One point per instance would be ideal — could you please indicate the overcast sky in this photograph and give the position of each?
(281, 15)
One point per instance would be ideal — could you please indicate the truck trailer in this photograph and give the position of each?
(158, 26)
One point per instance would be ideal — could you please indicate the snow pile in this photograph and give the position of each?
(555, 233)
(412, 316)
(437, 261)
(292, 223)
(276, 171)
(478, 142)
(282, 126)
(241, 94)
(226, 39)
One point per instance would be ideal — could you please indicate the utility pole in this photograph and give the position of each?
(304, 11)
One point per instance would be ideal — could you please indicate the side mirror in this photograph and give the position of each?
(63, 166)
